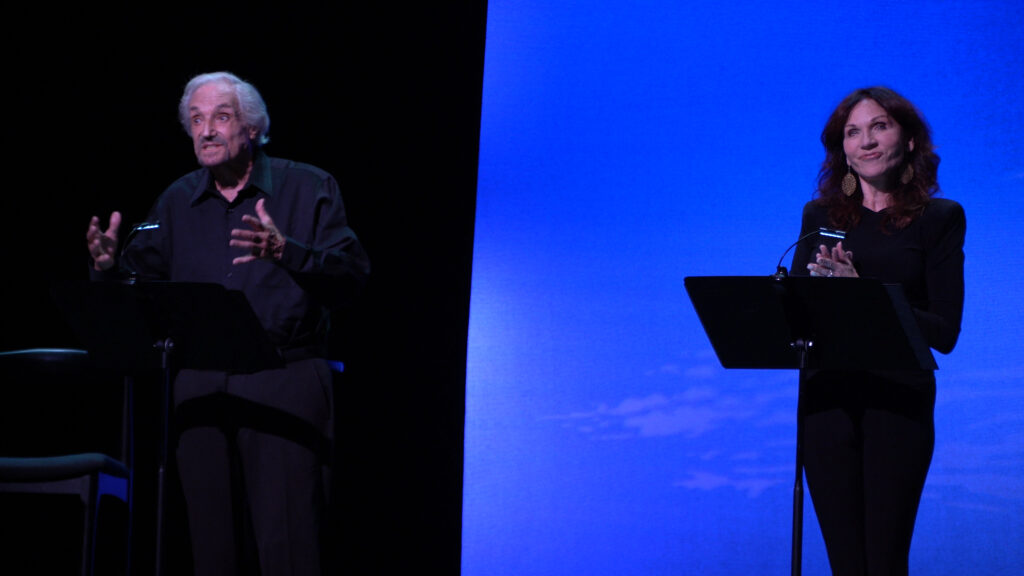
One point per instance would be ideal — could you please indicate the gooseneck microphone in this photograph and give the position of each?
(780, 270)
(127, 240)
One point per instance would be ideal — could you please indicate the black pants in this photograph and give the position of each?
(253, 456)
(867, 446)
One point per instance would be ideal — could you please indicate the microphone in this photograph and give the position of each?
(127, 240)
(135, 230)
(780, 270)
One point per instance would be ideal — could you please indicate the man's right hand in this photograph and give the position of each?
(103, 244)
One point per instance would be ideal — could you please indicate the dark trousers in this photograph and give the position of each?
(253, 455)
(867, 446)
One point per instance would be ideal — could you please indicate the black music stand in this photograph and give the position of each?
(138, 327)
(771, 322)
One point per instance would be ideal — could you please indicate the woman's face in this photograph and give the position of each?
(873, 143)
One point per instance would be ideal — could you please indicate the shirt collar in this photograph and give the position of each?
(259, 178)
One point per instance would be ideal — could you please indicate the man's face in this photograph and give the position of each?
(218, 134)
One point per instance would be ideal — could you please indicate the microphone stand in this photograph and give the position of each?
(803, 348)
(166, 348)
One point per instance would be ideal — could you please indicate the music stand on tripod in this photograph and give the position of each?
(781, 322)
(139, 327)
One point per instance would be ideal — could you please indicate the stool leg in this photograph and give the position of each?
(89, 523)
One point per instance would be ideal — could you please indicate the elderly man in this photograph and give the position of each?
(252, 447)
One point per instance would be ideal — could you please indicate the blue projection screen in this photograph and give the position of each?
(627, 145)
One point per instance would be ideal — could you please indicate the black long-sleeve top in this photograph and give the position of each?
(322, 267)
(926, 258)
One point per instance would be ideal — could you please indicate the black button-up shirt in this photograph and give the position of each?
(323, 264)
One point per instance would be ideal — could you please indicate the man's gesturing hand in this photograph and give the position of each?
(103, 244)
(262, 240)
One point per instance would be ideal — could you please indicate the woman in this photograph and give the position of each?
(868, 436)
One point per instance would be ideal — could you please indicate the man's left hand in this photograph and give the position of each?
(263, 240)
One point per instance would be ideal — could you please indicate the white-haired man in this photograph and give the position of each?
(251, 447)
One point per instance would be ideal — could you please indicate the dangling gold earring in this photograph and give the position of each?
(849, 185)
(908, 174)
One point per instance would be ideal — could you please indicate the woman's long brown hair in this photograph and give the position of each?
(909, 199)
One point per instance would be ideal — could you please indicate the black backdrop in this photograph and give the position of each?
(386, 98)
